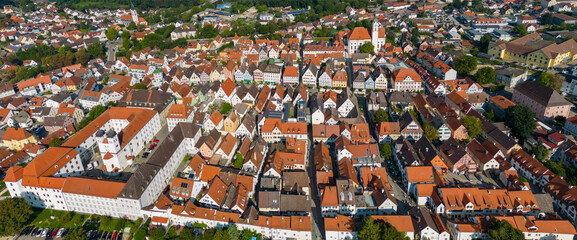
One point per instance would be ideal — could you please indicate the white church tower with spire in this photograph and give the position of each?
(378, 36)
(133, 13)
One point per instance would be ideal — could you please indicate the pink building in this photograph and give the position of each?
(544, 101)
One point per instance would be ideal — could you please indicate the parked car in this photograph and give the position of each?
(44, 232)
(114, 235)
(66, 230)
(54, 232)
(59, 233)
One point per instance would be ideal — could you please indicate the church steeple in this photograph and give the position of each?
(133, 13)
(375, 34)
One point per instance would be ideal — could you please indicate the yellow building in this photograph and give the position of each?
(15, 139)
(231, 123)
(534, 51)
(340, 79)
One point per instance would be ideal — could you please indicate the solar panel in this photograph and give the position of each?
(184, 185)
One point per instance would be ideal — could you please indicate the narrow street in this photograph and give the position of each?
(318, 225)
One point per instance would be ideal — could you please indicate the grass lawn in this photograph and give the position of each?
(43, 218)
(106, 224)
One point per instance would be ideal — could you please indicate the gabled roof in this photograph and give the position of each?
(359, 33)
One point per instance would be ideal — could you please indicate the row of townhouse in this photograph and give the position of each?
(563, 193)
(531, 227)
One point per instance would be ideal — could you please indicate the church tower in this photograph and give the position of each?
(133, 13)
(375, 34)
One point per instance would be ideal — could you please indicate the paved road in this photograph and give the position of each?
(318, 225)
(112, 49)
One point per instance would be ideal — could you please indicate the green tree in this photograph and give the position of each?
(472, 124)
(485, 75)
(430, 132)
(136, 225)
(55, 142)
(551, 80)
(156, 234)
(140, 234)
(521, 121)
(93, 114)
(187, 233)
(465, 65)
(559, 121)
(380, 116)
(547, 19)
(501, 229)
(233, 232)
(139, 86)
(82, 56)
(489, 115)
(132, 26)
(76, 234)
(389, 232)
(386, 150)
(111, 34)
(239, 161)
(225, 108)
(370, 230)
(248, 234)
(125, 34)
(520, 29)
(484, 43)
(367, 47)
(540, 151)
(96, 50)
(171, 234)
(14, 212)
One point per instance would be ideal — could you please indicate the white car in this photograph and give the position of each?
(59, 234)
(39, 232)
(44, 232)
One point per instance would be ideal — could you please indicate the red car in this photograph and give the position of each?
(114, 235)
(156, 140)
(54, 232)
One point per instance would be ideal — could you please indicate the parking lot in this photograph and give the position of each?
(34, 233)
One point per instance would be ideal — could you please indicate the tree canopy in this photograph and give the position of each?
(386, 150)
(14, 213)
(55, 142)
(76, 234)
(551, 80)
(501, 229)
(373, 230)
(225, 108)
(93, 114)
(431, 133)
(465, 65)
(139, 86)
(367, 47)
(472, 124)
(156, 234)
(540, 151)
(520, 29)
(485, 75)
(484, 43)
(380, 116)
(111, 33)
(521, 121)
